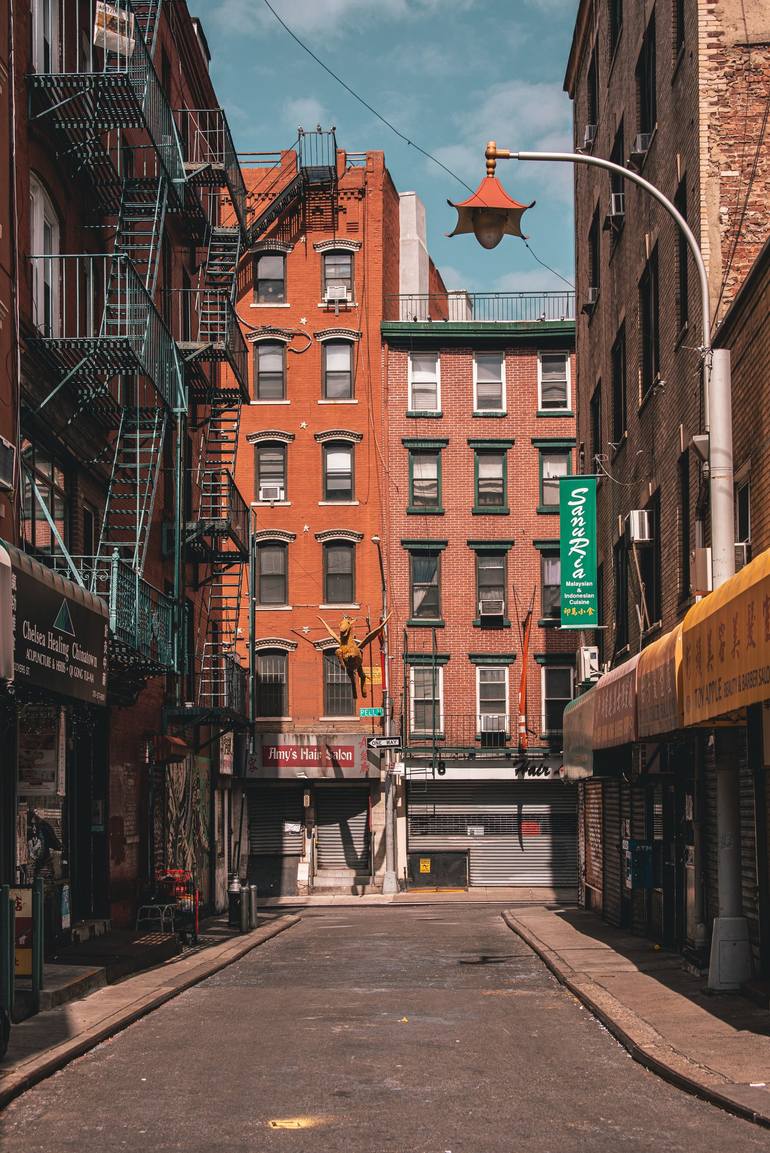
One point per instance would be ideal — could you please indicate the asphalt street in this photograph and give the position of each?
(379, 1030)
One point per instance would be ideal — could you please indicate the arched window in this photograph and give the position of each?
(46, 267)
(339, 572)
(271, 470)
(337, 370)
(338, 271)
(272, 573)
(338, 471)
(270, 370)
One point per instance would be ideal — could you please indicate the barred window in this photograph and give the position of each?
(272, 683)
(338, 691)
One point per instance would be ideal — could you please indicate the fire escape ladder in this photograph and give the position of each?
(143, 205)
(220, 641)
(133, 484)
(221, 267)
(147, 12)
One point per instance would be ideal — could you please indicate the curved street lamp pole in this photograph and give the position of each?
(729, 965)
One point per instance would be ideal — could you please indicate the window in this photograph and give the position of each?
(614, 22)
(490, 585)
(678, 14)
(491, 468)
(599, 634)
(683, 256)
(492, 700)
(488, 382)
(337, 370)
(46, 268)
(424, 382)
(620, 577)
(553, 381)
(271, 567)
(90, 523)
(425, 480)
(649, 324)
(554, 463)
(595, 252)
(684, 524)
(592, 89)
(425, 593)
(617, 184)
(338, 270)
(45, 36)
(271, 470)
(426, 685)
(338, 691)
(557, 692)
(42, 470)
(648, 557)
(550, 586)
(646, 81)
(596, 426)
(272, 683)
(338, 471)
(339, 573)
(619, 387)
(270, 370)
(270, 278)
(743, 510)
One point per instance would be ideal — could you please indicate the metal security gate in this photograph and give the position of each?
(275, 822)
(593, 827)
(342, 827)
(612, 847)
(515, 832)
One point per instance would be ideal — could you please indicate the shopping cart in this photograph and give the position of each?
(182, 889)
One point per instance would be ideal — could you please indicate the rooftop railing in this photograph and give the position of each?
(209, 143)
(483, 307)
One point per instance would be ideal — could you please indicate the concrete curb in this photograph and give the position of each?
(38, 1068)
(640, 1039)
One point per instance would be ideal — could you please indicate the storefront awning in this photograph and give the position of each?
(615, 706)
(579, 736)
(53, 633)
(660, 707)
(726, 646)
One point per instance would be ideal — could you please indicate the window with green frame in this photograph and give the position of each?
(490, 477)
(555, 462)
(425, 476)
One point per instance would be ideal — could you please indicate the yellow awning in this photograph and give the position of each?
(726, 646)
(615, 706)
(578, 737)
(659, 701)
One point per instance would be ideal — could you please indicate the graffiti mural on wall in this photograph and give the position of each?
(187, 821)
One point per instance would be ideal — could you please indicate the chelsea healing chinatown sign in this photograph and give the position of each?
(577, 530)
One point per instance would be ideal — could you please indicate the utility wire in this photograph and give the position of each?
(392, 127)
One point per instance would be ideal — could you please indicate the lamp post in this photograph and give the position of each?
(489, 217)
(389, 880)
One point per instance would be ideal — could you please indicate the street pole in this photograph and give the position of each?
(730, 956)
(389, 880)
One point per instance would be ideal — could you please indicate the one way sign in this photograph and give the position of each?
(383, 742)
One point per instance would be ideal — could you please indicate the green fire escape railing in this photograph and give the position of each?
(211, 155)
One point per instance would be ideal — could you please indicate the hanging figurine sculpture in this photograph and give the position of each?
(349, 653)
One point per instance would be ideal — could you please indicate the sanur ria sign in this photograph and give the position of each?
(577, 525)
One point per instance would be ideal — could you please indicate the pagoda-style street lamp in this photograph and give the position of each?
(490, 214)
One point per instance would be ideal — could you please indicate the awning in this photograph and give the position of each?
(726, 646)
(578, 736)
(57, 636)
(615, 706)
(659, 702)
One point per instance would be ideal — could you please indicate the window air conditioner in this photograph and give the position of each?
(589, 135)
(742, 554)
(639, 526)
(591, 299)
(617, 207)
(587, 663)
(270, 492)
(336, 293)
(493, 722)
(492, 608)
(7, 463)
(641, 147)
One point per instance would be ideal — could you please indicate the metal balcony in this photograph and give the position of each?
(103, 80)
(458, 733)
(94, 320)
(482, 307)
(220, 535)
(207, 332)
(211, 159)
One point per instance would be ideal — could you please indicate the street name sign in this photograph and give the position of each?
(378, 711)
(384, 742)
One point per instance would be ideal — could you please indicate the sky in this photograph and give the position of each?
(449, 74)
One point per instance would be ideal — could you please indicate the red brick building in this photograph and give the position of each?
(481, 426)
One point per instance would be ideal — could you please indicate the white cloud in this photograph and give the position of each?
(331, 17)
(305, 112)
(454, 279)
(536, 279)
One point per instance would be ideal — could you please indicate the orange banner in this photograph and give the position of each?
(659, 704)
(615, 706)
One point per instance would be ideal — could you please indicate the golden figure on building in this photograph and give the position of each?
(350, 651)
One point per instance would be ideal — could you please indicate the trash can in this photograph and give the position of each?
(234, 898)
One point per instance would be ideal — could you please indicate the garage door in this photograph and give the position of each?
(516, 833)
(275, 822)
(342, 828)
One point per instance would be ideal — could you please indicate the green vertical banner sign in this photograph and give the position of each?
(577, 532)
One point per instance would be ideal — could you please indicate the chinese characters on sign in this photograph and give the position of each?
(577, 525)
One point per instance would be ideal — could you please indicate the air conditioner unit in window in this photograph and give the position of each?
(587, 663)
(336, 293)
(270, 492)
(742, 554)
(641, 147)
(639, 526)
(492, 607)
(589, 135)
(590, 301)
(7, 463)
(617, 210)
(493, 723)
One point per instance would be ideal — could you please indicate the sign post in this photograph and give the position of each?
(577, 525)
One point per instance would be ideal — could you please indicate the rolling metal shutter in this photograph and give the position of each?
(749, 894)
(342, 828)
(612, 873)
(275, 822)
(516, 833)
(593, 827)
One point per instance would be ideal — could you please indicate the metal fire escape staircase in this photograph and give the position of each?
(316, 173)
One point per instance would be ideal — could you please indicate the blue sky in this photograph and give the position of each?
(450, 74)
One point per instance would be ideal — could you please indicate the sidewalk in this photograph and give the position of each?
(717, 1047)
(48, 1041)
(496, 894)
